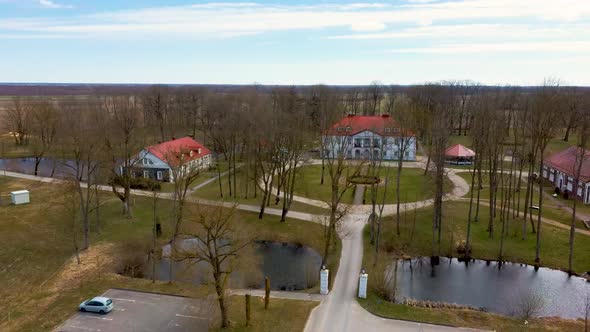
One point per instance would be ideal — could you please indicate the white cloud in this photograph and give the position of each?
(497, 31)
(212, 20)
(52, 4)
(545, 47)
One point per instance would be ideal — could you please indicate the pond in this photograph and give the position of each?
(47, 167)
(503, 289)
(289, 266)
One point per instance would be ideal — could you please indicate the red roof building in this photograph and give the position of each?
(172, 151)
(159, 161)
(560, 169)
(369, 137)
(383, 125)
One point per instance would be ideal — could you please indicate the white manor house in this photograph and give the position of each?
(367, 137)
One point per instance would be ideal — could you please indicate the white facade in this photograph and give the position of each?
(368, 144)
(150, 166)
(565, 182)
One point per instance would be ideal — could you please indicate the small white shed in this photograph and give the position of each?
(20, 197)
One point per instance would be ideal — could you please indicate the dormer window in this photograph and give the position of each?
(349, 128)
(199, 151)
(190, 153)
(340, 129)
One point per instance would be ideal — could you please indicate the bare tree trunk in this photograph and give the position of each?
(468, 237)
(538, 243)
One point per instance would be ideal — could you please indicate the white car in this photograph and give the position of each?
(99, 304)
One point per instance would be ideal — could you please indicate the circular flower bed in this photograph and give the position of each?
(364, 179)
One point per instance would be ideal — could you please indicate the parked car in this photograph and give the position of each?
(99, 304)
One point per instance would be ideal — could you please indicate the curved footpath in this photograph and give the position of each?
(338, 311)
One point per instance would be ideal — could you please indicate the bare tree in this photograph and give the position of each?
(155, 104)
(44, 118)
(336, 145)
(17, 120)
(582, 156)
(122, 140)
(219, 244)
(546, 101)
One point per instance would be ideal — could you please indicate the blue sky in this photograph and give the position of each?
(295, 42)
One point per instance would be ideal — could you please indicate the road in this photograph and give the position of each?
(339, 311)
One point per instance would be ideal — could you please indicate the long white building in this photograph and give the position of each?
(367, 137)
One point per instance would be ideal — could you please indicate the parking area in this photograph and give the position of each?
(139, 311)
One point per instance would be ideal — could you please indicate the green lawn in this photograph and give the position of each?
(205, 175)
(249, 196)
(554, 245)
(282, 315)
(37, 244)
(308, 184)
(554, 251)
(414, 186)
(550, 208)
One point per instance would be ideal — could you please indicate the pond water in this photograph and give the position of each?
(289, 267)
(503, 289)
(47, 167)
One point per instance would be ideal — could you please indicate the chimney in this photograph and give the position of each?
(350, 115)
(385, 115)
(173, 138)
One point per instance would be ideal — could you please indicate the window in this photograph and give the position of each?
(349, 128)
(357, 142)
(387, 130)
(147, 161)
(159, 175)
(397, 141)
(190, 153)
(199, 151)
(146, 174)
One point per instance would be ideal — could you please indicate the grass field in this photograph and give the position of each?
(414, 186)
(551, 210)
(38, 272)
(246, 196)
(308, 185)
(554, 251)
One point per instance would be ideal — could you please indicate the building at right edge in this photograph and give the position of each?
(560, 169)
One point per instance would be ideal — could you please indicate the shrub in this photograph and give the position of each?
(138, 183)
(566, 194)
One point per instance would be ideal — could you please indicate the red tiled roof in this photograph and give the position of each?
(565, 161)
(383, 125)
(459, 150)
(170, 151)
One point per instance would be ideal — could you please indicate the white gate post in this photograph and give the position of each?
(324, 273)
(363, 284)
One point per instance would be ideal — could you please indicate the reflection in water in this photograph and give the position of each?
(47, 167)
(289, 267)
(501, 289)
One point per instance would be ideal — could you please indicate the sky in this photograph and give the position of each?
(517, 42)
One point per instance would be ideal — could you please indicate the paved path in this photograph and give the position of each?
(339, 311)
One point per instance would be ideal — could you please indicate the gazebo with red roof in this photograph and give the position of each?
(459, 155)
